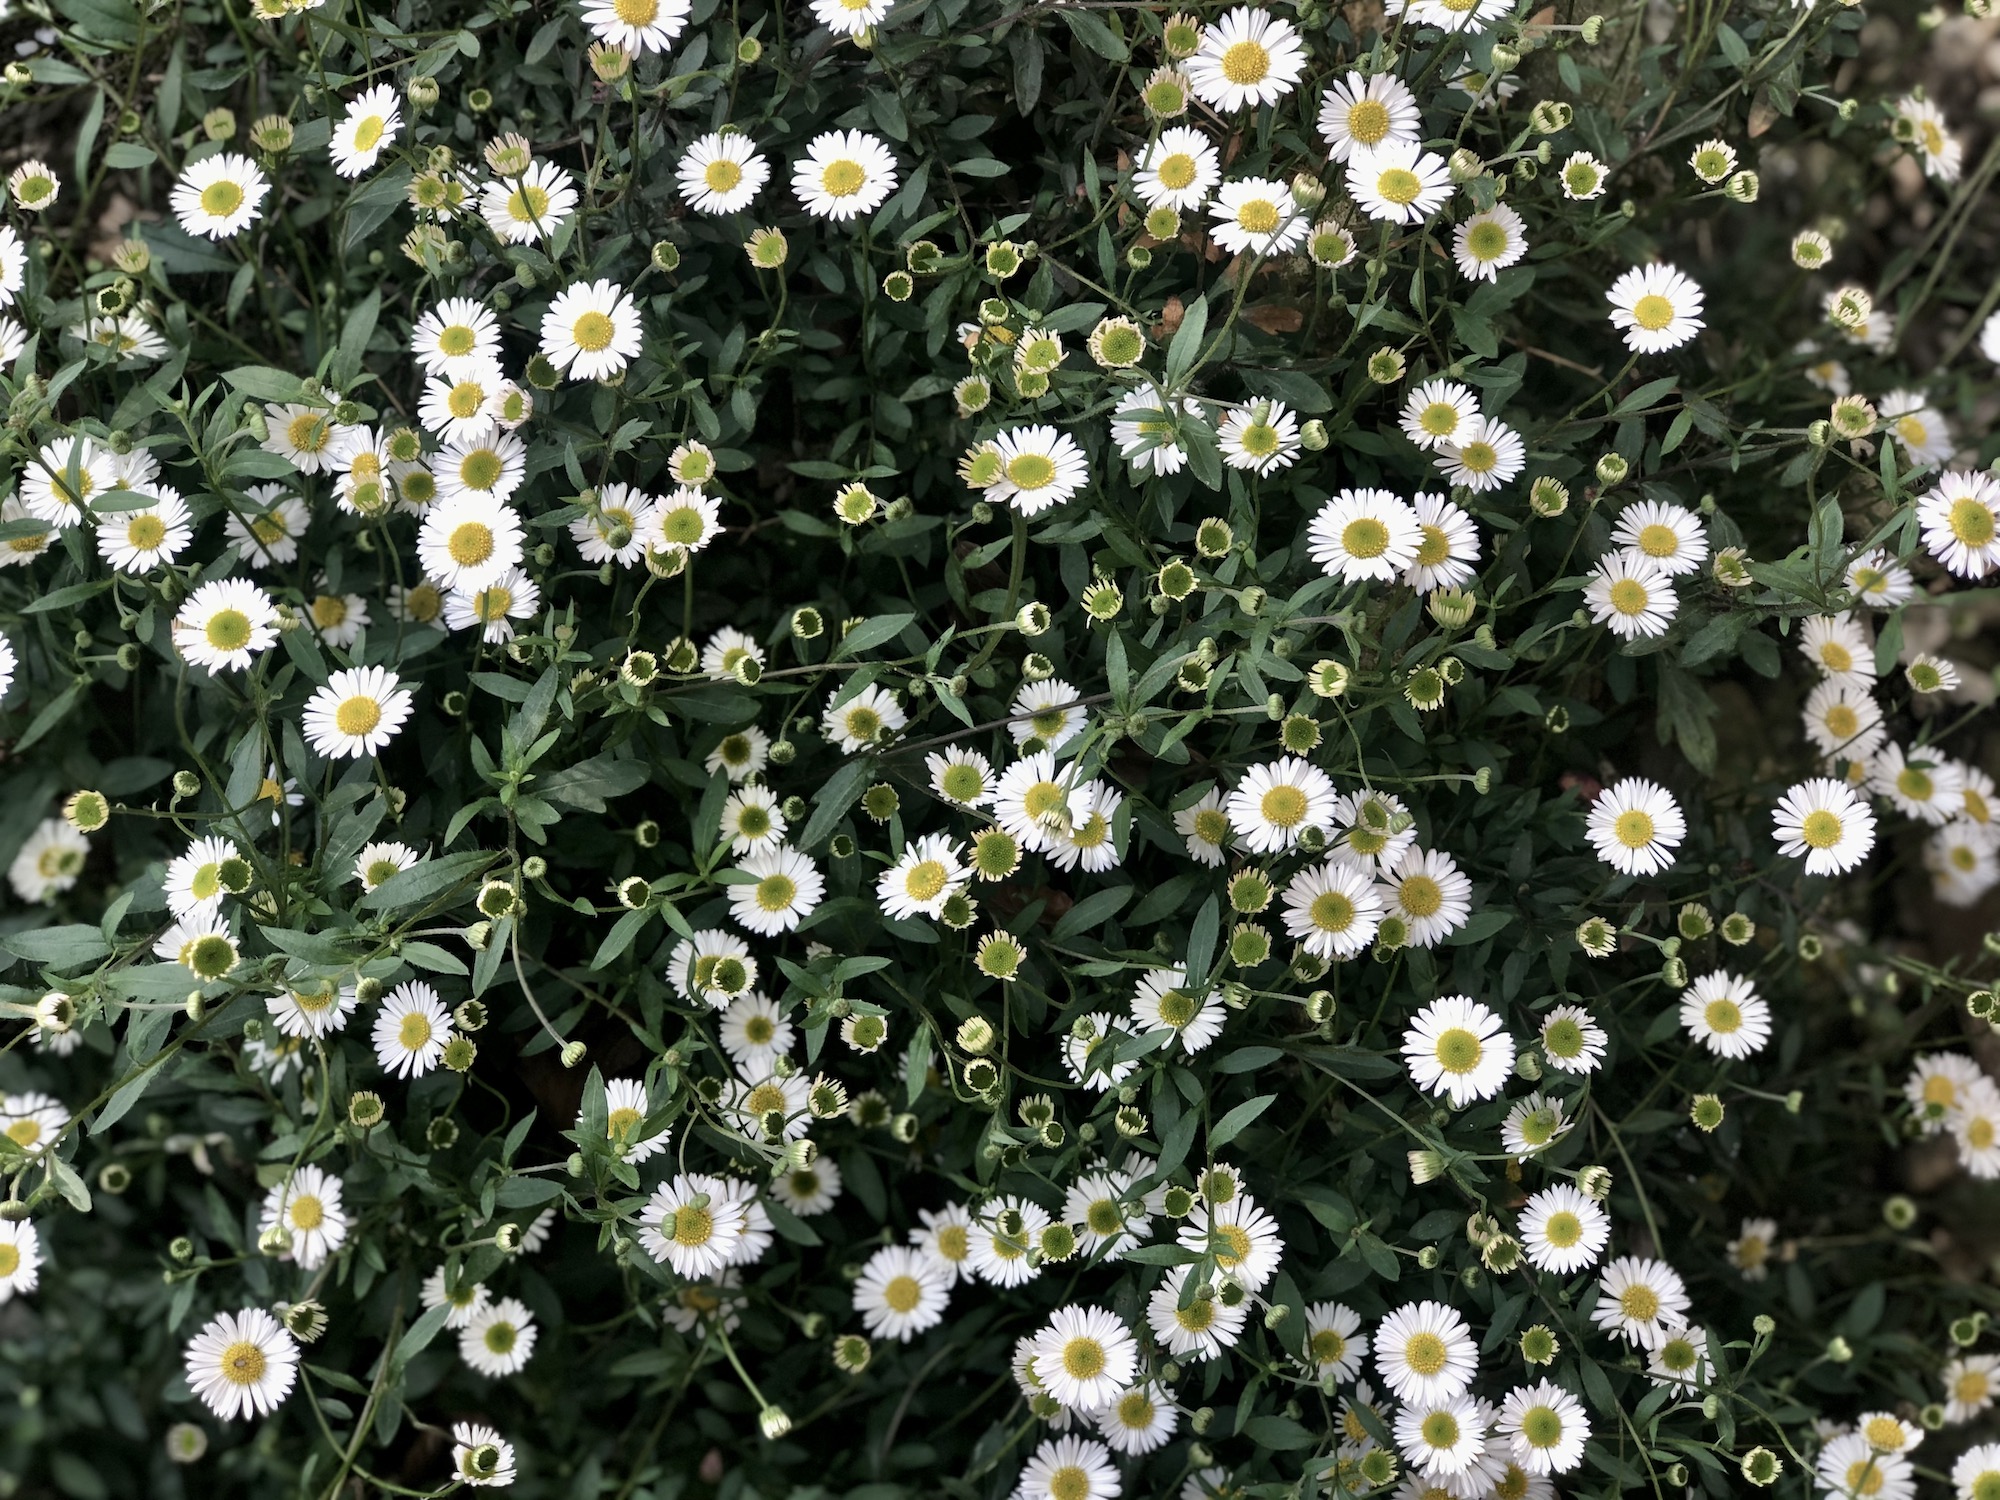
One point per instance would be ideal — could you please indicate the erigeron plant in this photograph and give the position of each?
(924, 748)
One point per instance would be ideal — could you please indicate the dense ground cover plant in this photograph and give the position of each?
(927, 748)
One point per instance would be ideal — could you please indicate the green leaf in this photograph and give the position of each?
(869, 634)
(1238, 1120)
(263, 383)
(427, 880)
(370, 205)
(842, 790)
(589, 784)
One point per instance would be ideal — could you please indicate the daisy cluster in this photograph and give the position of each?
(924, 749)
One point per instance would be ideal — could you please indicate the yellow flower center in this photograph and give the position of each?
(636, 12)
(1563, 1229)
(1425, 1353)
(926, 880)
(1399, 185)
(1030, 471)
(1069, 1483)
(1723, 1017)
(1420, 896)
(903, 1293)
(1177, 171)
(1640, 1304)
(413, 1033)
(1367, 121)
(1245, 63)
(721, 175)
(307, 1213)
(228, 630)
(1258, 216)
(1634, 829)
(1331, 912)
(242, 1363)
(843, 178)
(1658, 541)
(470, 544)
(221, 198)
(1283, 806)
(592, 332)
(1486, 240)
(1366, 537)
(776, 892)
(1459, 1051)
(1821, 829)
(1652, 312)
(1971, 523)
(528, 204)
(357, 716)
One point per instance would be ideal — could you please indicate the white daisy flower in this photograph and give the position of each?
(1447, 549)
(1424, 1352)
(1636, 826)
(319, 1009)
(1084, 1357)
(1375, 829)
(1241, 1236)
(480, 1457)
(1110, 1218)
(1920, 782)
(961, 776)
(456, 405)
(1426, 890)
(591, 330)
(1976, 1475)
(137, 541)
(1333, 909)
(721, 173)
(1089, 841)
(487, 467)
(864, 721)
(853, 18)
(1487, 243)
(1148, 434)
(1939, 1083)
(785, 890)
(1641, 1301)
(1974, 1126)
(1960, 518)
(1670, 537)
(1726, 1015)
(844, 173)
(1204, 827)
(1458, 1048)
(1165, 1001)
(1256, 215)
(1486, 454)
(686, 519)
(499, 1338)
(1366, 534)
(242, 1363)
(754, 1032)
(1839, 646)
(1276, 801)
(308, 1209)
(1929, 135)
(1437, 411)
(301, 435)
(928, 875)
(219, 196)
(1879, 580)
(1261, 437)
(1441, 1438)
(739, 755)
(1200, 1330)
(411, 1030)
(457, 328)
(521, 210)
(1963, 862)
(493, 607)
(1750, 1251)
(20, 1258)
(1039, 467)
(1545, 1426)
(368, 128)
(1138, 1420)
(1681, 1359)
(52, 492)
(1335, 1346)
(625, 1110)
(224, 623)
(809, 1190)
(1457, 15)
(1069, 1468)
(1822, 822)
(1909, 418)
(13, 265)
(1001, 1257)
(945, 1239)
(637, 26)
(1656, 306)
(356, 712)
(1099, 1073)
(690, 1224)
(900, 1293)
(1849, 1466)
(1247, 58)
(712, 967)
(49, 861)
(1178, 170)
(1842, 718)
(194, 880)
(1562, 1230)
(32, 1121)
(267, 533)
(337, 619)
(752, 818)
(1398, 182)
(469, 540)
(1361, 114)
(1970, 1383)
(726, 652)
(1047, 711)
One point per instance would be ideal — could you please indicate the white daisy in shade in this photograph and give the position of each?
(1879, 580)
(1424, 1352)
(1458, 1048)
(1484, 455)
(1204, 828)
(810, 1190)
(195, 879)
(337, 618)
(1000, 1241)
(493, 607)
(929, 874)
(1974, 1126)
(944, 1239)
(1636, 826)
(1750, 1251)
(1487, 243)
(1089, 841)
(1640, 1301)
(1726, 1015)
(1363, 535)
(368, 128)
(625, 1111)
(1084, 1357)
(1276, 801)
(1824, 823)
(301, 435)
(1533, 1125)
(1335, 1346)
(713, 967)
(1571, 1041)
(722, 173)
(13, 339)
(1242, 1237)
(686, 520)
(13, 265)
(9, 663)
(1437, 411)
(1069, 1468)
(1960, 519)
(1447, 548)
(755, 1033)
(1398, 182)
(242, 1363)
(1849, 1465)
(457, 328)
(49, 861)
(844, 173)
(1839, 646)
(1440, 1438)
(1937, 1085)
(480, 1457)
(489, 466)
(853, 18)
(308, 1209)
(1138, 1420)
(1963, 864)
(521, 210)
(784, 888)
(1261, 437)
(1047, 711)
(739, 755)
(751, 817)
(1109, 1217)
(637, 25)
(1039, 467)
(1656, 306)
(225, 623)
(1148, 436)
(1545, 1426)
(1165, 1001)
(1842, 718)
(591, 330)
(32, 1121)
(200, 943)
(1333, 909)
(1970, 1383)
(356, 712)
(1976, 1475)
(57, 485)
(1909, 418)
(1178, 170)
(219, 196)
(691, 1225)
(1361, 114)
(863, 721)
(1457, 15)
(20, 1258)
(1193, 1327)
(1668, 536)
(1920, 782)
(1248, 57)
(499, 1339)
(1426, 890)
(377, 862)
(1258, 216)
(900, 1293)
(320, 1008)
(1037, 804)
(1375, 829)
(411, 1030)
(456, 404)
(468, 540)
(1562, 1230)
(1681, 1359)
